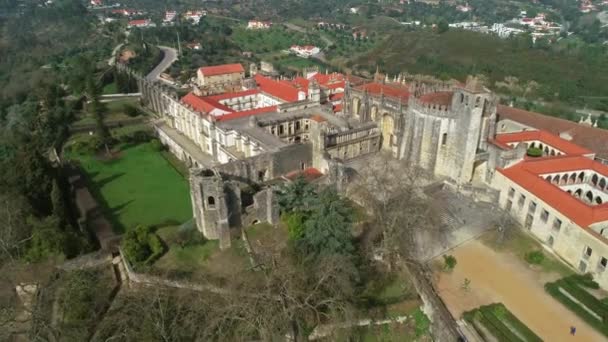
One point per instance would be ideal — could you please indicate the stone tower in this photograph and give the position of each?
(314, 91)
(215, 204)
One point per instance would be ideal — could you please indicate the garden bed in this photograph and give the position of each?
(497, 320)
(573, 292)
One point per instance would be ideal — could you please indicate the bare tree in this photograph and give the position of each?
(391, 193)
(14, 232)
(291, 300)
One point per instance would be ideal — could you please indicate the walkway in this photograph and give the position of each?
(499, 277)
(186, 144)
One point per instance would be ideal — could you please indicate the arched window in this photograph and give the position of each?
(598, 200)
(589, 196)
(564, 179)
(581, 177)
(210, 202)
(594, 179)
(578, 193)
(572, 179)
(555, 179)
(550, 241)
(603, 183)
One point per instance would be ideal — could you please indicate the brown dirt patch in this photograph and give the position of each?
(126, 55)
(500, 277)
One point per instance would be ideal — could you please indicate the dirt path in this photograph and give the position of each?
(499, 277)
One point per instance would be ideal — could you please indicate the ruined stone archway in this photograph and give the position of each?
(388, 129)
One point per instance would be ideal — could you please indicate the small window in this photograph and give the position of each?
(544, 216)
(444, 139)
(511, 192)
(509, 205)
(603, 262)
(557, 224)
(587, 252)
(532, 207)
(522, 200)
(210, 202)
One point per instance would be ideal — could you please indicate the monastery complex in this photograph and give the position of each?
(549, 174)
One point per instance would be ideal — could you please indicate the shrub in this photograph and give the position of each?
(142, 246)
(137, 137)
(449, 262)
(156, 145)
(131, 110)
(535, 257)
(534, 152)
(295, 224)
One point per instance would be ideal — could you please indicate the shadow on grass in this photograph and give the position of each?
(104, 181)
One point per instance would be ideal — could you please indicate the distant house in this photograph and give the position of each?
(141, 23)
(305, 51)
(220, 75)
(258, 25)
(96, 3)
(127, 12)
(169, 16)
(464, 8)
(195, 16)
(194, 46)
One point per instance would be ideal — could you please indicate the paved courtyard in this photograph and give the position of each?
(501, 277)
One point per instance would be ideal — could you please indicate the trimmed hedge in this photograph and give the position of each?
(534, 152)
(494, 323)
(575, 285)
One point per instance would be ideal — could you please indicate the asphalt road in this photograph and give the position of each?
(169, 56)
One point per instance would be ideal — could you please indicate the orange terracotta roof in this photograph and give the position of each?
(283, 91)
(337, 108)
(546, 138)
(232, 95)
(245, 113)
(317, 118)
(388, 90)
(222, 69)
(336, 97)
(527, 175)
(594, 139)
(309, 174)
(442, 98)
(203, 104)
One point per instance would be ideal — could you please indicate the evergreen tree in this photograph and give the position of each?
(298, 196)
(328, 229)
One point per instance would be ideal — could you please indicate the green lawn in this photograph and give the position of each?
(139, 187)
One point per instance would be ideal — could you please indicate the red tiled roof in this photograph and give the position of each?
(546, 138)
(309, 174)
(594, 139)
(526, 174)
(337, 108)
(202, 104)
(442, 98)
(318, 118)
(245, 113)
(232, 95)
(139, 22)
(283, 91)
(336, 97)
(221, 69)
(388, 90)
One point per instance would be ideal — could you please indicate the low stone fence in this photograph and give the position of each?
(481, 194)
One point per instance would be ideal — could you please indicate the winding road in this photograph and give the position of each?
(169, 56)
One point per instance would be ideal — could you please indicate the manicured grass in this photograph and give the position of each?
(501, 323)
(138, 187)
(576, 286)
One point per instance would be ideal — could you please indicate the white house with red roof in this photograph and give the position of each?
(305, 50)
(140, 23)
(194, 16)
(561, 197)
(258, 25)
(169, 16)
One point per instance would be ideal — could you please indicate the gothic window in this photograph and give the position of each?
(210, 202)
(297, 125)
